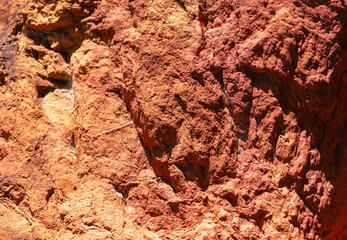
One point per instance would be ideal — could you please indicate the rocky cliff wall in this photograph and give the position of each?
(173, 119)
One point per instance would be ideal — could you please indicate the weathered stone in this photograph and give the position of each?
(192, 119)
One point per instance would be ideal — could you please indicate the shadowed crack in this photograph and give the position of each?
(181, 4)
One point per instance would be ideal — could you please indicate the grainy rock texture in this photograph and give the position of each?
(173, 119)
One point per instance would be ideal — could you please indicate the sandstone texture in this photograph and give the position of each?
(173, 119)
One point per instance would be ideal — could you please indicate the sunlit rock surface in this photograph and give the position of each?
(173, 119)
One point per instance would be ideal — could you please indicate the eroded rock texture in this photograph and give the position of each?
(173, 119)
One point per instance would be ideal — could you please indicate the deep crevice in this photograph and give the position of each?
(58, 84)
(198, 77)
(39, 38)
(181, 103)
(181, 4)
(43, 93)
(49, 194)
(124, 193)
(2, 78)
(203, 24)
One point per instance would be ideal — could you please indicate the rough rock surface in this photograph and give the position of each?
(173, 119)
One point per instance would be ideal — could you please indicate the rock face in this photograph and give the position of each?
(173, 119)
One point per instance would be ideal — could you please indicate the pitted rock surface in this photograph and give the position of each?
(173, 119)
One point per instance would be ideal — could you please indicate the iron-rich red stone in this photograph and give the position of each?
(188, 119)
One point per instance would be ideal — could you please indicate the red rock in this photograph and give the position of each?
(173, 119)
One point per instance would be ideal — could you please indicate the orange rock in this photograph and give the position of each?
(172, 119)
